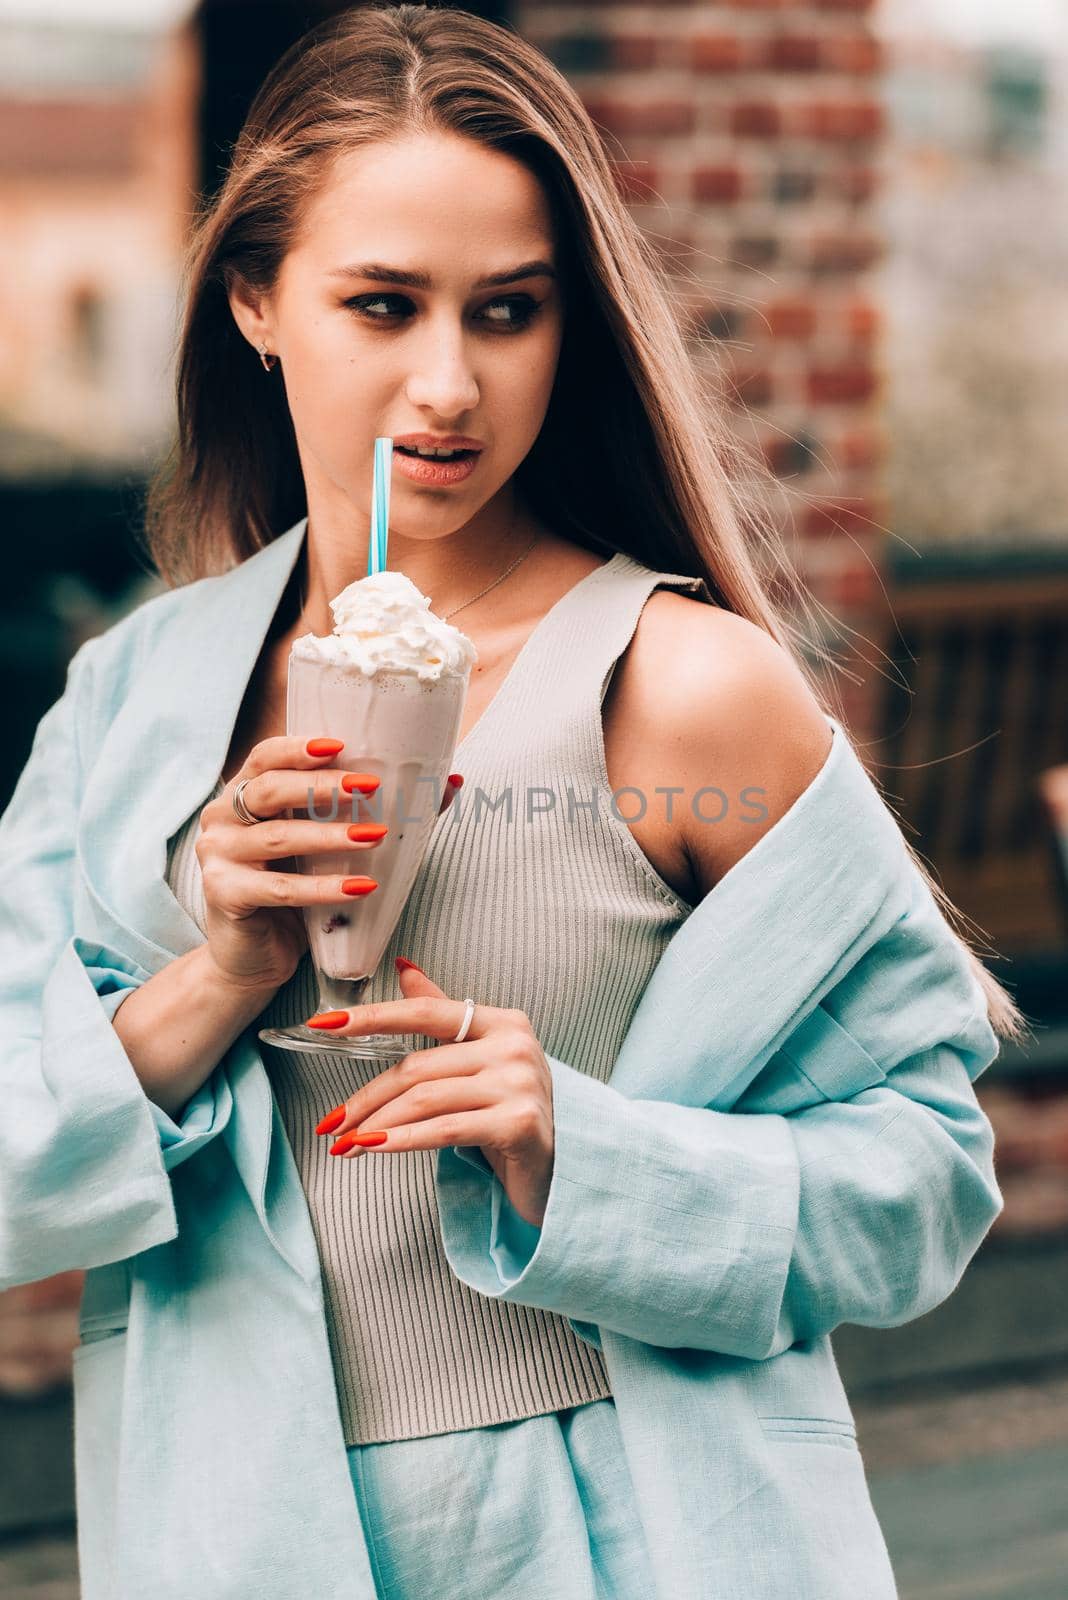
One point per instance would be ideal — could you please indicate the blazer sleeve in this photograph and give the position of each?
(84, 1155)
(860, 1197)
(205, 1114)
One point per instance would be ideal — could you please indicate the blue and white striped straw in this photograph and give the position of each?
(376, 555)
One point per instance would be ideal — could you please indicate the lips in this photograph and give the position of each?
(426, 470)
(436, 441)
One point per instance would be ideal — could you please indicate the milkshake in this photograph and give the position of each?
(391, 680)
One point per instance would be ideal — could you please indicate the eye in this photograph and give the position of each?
(521, 309)
(363, 304)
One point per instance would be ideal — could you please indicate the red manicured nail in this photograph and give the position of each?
(328, 1019)
(402, 962)
(365, 782)
(359, 885)
(362, 831)
(349, 1141)
(456, 779)
(332, 1120)
(325, 747)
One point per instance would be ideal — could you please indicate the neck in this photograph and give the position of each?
(450, 568)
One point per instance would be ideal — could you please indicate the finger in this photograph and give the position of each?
(453, 784)
(438, 1019)
(301, 783)
(277, 793)
(415, 1069)
(435, 1097)
(414, 981)
(237, 890)
(456, 1128)
(278, 837)
(290, 750)
(329, 795)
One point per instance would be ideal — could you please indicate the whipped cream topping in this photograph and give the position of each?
(382, 623)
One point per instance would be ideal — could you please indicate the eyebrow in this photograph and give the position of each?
(422, 280)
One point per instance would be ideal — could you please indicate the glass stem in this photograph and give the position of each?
(338, 994)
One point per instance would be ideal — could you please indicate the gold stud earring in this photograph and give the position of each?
(269, 361)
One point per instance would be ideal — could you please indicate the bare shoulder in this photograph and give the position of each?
(731, 713)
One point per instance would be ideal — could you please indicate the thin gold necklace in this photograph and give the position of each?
(445, 615)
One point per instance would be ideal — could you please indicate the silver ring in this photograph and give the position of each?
(469, 1012)
(241, 810)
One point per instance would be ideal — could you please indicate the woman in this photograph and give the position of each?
(420, 236)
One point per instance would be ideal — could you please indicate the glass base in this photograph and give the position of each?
(386, 1047)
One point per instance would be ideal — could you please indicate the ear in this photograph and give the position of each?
(252, 311)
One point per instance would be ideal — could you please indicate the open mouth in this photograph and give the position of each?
(452, 455)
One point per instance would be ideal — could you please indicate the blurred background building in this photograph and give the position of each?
(862, 208)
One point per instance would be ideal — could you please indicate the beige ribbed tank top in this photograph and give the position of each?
(554, 909)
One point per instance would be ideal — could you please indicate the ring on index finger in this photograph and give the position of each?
(241, 810)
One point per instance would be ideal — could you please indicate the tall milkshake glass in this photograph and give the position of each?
(391, 681)
(402, 730)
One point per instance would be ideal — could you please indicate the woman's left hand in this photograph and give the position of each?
(493, 1090)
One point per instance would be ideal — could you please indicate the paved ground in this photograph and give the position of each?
(42, 1568)
(971, 1488)
(970, 1484)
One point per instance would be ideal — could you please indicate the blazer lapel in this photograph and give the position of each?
(166, 748)
(758, 953)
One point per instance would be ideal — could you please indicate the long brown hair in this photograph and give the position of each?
(635, 453)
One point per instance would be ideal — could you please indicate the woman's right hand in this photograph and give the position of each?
(254, 923)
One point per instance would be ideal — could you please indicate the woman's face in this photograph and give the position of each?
(365, 354)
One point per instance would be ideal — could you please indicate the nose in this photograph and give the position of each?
(442, 379)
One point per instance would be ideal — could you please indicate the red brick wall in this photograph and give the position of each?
(748, 135)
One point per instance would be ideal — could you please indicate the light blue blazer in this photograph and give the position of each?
(790, 1140)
